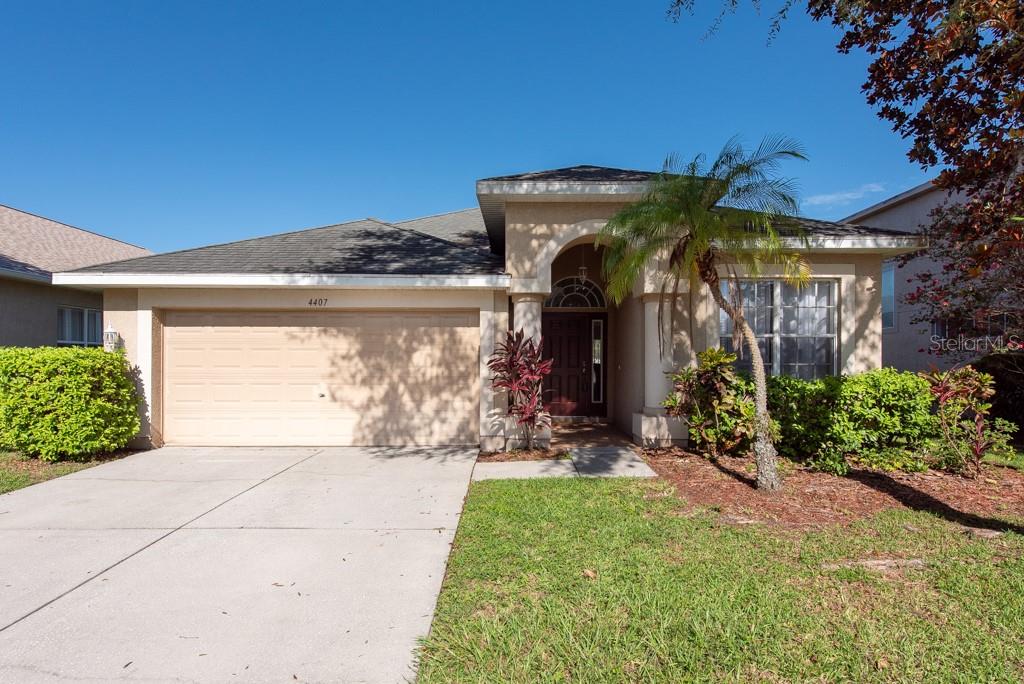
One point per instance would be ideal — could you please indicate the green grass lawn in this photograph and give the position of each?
(17, 471)
(588, 580)
(1015, 461)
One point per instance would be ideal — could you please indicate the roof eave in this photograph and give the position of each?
(282, 280)
(28, 276)
(492, 196)
(561, 188)
(888, 245)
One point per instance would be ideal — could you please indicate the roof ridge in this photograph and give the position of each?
(472, 250)
(68, 225)
(524, 176)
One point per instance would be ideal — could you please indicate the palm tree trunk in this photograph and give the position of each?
(764, 451)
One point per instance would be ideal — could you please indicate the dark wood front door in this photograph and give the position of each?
(577, 341)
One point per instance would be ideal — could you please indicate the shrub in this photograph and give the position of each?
(58, 403)
(717, 403)
(967, 432)
(880, 418)
(519, 371)
(803, 410)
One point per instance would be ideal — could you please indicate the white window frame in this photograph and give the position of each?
(774, 364)
(85, 341)
(888, 269)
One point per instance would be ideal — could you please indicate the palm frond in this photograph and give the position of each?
(735, 211)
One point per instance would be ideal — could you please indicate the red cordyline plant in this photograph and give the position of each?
(519, 371)
(963, 396)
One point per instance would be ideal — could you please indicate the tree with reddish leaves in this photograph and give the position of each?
(949, 76)
(519, 370)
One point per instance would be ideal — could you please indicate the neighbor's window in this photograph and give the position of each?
(795, 326)
(888, 296)
(82, 327)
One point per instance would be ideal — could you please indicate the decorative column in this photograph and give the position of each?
(526, 313)
(527, 309)
(656, 382)
(652, 427)
(492, 405)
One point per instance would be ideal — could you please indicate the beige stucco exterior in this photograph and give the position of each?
(548, 240)
(905, 345)
(160, 327)
(145, 321)
(28, 311)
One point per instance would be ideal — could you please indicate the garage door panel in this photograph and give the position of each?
(297, 378)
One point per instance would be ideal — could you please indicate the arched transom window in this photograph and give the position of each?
(575, 293)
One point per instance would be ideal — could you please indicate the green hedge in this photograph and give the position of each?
(803, 412)
(881, 419)
(66, 402)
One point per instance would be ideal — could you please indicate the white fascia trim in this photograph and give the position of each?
(559, 188)
(858, 243)
(25, 275)
(311, 280)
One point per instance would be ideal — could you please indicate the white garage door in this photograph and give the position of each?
(321, 378)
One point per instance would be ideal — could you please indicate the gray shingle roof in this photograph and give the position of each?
(365, 247)
(463, 227)
(816, 228)
(39, 246)
(581, 174)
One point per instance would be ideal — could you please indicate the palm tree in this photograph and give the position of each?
(695, 218)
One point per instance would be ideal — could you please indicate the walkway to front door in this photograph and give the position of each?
(576, 341)
(587, 435)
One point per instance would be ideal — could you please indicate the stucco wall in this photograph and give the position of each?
(529, 226)
(28, 311)
(905, 345)
(909, 216)
(866, 310)
(628, 363)
(136, 315)
(543, 233)
(120, 311)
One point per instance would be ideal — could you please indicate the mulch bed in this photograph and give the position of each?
(523, 455)
(34, 467)
(813, 499)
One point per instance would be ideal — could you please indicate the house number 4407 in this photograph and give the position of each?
(318, 301)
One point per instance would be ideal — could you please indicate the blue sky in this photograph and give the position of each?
(177, 124)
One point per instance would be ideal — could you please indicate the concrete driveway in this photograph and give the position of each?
(229, 564)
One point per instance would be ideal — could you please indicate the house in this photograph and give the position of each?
(906, 344)
(32, 311)
(373, 332)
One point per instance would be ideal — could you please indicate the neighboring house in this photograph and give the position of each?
(32, 311)
(905, 344)
(372, 332)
